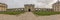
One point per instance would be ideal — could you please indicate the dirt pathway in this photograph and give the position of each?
(28, 16)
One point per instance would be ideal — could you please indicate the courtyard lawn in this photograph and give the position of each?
(45, 13)
(12, 12)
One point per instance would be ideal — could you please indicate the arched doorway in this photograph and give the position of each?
(29, 7)
(29, 10)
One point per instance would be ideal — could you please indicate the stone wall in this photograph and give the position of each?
(16, 9)
(43, 9)
(29, 7)
(3, 7)
(56, 7)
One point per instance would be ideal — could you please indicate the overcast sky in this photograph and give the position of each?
(20, 3)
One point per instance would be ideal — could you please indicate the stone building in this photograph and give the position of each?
(3, 7)
(16, 9)
(29, 7)
(56, 6)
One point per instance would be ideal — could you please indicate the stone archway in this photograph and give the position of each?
(29, 7)
(29, 10)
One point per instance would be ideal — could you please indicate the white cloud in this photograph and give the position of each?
(20, 3)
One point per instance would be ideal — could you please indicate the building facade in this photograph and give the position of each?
(3, 7)
(56, 6)
(29, 7)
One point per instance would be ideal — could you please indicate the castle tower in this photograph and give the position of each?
(56, 6)
(3, 7)
(29, 7)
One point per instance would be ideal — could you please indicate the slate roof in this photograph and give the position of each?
(3, 5)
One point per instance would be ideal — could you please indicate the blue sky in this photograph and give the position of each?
(20, 3)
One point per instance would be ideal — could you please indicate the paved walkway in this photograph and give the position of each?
(28, 16)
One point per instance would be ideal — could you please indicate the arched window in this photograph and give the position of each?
(21, 9)
(39, 9)
(16, 9)
(36, 9)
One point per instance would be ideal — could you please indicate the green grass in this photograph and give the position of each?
(12, 12)
(45, 13)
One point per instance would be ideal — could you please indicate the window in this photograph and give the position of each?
(39, 9)
(36, 9)
(21, 9)
(18, 9)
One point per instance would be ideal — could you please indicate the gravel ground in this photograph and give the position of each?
(28, 16)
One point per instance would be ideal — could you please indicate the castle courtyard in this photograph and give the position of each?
(28, 16)
(29, 12)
